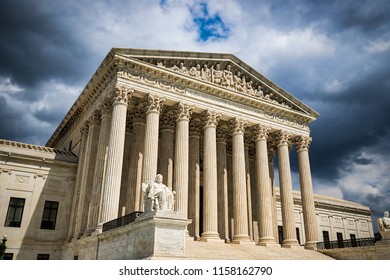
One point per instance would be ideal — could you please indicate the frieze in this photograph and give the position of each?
(272, 113)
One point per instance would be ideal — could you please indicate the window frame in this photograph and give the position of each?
(13, 206)
(48, 223)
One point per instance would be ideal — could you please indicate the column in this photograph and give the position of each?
(271, 156)
(123, 200)
(210, 191)
(223, 215)
(101, 154)
(309, 212)
(153, 107)
(184, 112)
(265, 200)
(166, 153)
(240, 205)
(88, 173)
(286, 196)
(79, 176)
(194, 178)
(116, 143)
(134, 191)
(248, 192)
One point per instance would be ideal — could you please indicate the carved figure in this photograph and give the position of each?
(206, 73)
(181, 68)
(259, 91)
(249, 88)
(216, 74)
(227, 77)
(157, 195)
(195, 71)
(384, 223)
(238, 83)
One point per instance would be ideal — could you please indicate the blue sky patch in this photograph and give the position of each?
(209, 26)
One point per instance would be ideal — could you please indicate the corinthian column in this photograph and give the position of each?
(264, 188)
(149, 167)
(286, 196)
(95, 206)
(116, 143)
(194, 178)
(166, 154)
(309, 212)
(184, 112)
(223, 214)
(210, 191)
(240, 205)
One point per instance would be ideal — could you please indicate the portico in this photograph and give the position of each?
(187, 115)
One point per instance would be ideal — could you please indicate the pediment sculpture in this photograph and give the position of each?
(158, 196)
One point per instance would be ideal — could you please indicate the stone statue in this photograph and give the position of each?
(195, 71)
(227, 77)
(206, 73)
(181, 68)
(216, 74)
(158, 196)
(384, 223)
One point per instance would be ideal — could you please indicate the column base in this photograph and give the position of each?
(241, 239)
(267, 242)
(311, 245)
(210, 237)
(290, 243)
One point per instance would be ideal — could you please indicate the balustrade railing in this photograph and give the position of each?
(346, 243)
(121, 221)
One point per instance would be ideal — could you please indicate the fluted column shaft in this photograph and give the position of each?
(286, 196)
(240, 205)
(210, 187)
(95, 206)
(181, 157)
(248, 193)
(79, 176)
(307, 196)
(134, 191)
(194, 178)
(116, 143)
(223, 214)
(264, 188)
(166, 155)
(149, 167)
(271, 156)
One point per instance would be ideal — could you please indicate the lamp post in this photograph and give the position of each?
(3, 247)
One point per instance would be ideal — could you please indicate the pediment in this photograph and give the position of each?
(220, 70)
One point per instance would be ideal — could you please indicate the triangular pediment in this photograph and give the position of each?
(219, 70)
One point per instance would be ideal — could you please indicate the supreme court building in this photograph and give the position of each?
(215, 129)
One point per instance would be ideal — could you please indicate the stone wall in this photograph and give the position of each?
(381, 251)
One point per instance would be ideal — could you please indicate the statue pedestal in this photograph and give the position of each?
(385, 237)
(160, 235)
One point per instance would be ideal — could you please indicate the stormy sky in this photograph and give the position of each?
(332, 55)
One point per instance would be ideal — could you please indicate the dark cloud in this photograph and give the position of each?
(35, 45)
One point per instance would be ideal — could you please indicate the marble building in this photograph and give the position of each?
(209, 123)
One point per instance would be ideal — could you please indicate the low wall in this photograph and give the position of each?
(155, 235)
(381, 251)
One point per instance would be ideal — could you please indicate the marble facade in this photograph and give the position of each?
(211, 125)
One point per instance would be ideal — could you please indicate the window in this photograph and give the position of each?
(325, 236)
(43, 256)
(280, 231)
(340, 240)
(298, 237)
(15, 212)
(49, 215)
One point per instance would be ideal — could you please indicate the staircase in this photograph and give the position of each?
(215, 250)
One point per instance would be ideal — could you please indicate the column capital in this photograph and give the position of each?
(261, 132)
(222, 133)
(121, 94)
(282, 138)
(95, 118)
(210, 118)
(237, 126)
(195, 126)
(167, 118)
(85, 128)
(105, 107)
(302, 142)
(153, 103)
(183, 110)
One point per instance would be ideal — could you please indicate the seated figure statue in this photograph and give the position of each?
(158, 196)
(384, 223)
